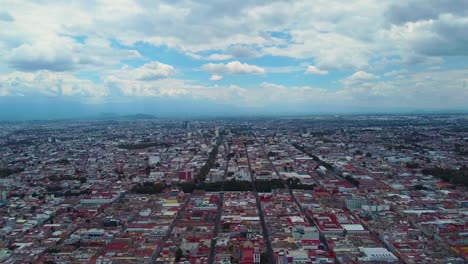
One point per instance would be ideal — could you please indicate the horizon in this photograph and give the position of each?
(108, 116)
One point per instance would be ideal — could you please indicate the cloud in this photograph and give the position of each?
(315, 70)
(396, 73)
(361, 75)
(153, 71)
(243, 52)
(423, 31)
(50, 84)
(216, 78)
(330, 50)
(82, 40)
(336, 35)
(409, 90)
(233, 67)
(241, 31)
(217, 56)
(441, 89)
(358, 77)
(423, 40)
(416, 10)
(64, 54)
(141, 81)
(54, 56)
(5, 16)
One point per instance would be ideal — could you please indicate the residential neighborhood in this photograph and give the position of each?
(325, 189)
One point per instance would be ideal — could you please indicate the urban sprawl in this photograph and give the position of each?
(324, 189)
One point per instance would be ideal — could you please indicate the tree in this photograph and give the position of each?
(178, 254)
(53, 250)
(263, 258)
(412, 165)
(295, 183)
(187, 187)
(5, 172)
(289, 181)
(358, 153)
(148, 188)
(419, 187)
(457, 177)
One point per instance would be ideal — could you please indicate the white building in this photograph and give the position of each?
(377, 254)
(100, 198)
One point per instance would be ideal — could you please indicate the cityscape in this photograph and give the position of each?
(319, 189)
(233, 132)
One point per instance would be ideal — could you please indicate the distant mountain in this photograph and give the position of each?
(115, 116)
(139, 116)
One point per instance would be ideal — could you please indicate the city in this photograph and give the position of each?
(316, 189)
(233, 132)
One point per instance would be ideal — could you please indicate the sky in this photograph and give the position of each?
(220, 57)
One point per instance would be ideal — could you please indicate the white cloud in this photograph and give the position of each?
(363, 36)
(424, 90)
(64, 54)
(56, 55)
(49, 84)
(335, 34)
(152, 71)
(243, 52)
(315, 70)
(362, 75)
(358, 77)
(216, 77)
(233, 67)
(217, 56)
(330, 50)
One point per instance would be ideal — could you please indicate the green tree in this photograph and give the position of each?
(178, 254)
(263, 258)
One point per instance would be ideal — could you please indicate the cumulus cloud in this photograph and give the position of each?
(153, 71)
(217, 56)
(53, 56)
(415, 10)
(216, 77)
(64, 54)
(233, 67)
(141, 81)
(358, 77)
(315, 70)
(359, 36)
(243, 52)
(330, 50)
(49, 84)
(423, 90)
(336, 35)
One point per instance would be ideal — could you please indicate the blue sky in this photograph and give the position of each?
(219, 57)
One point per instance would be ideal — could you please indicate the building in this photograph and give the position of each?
(377, 254)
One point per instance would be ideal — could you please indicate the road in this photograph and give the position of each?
(163, 241)
(211, 256)
(307, 216)
(266, 235)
